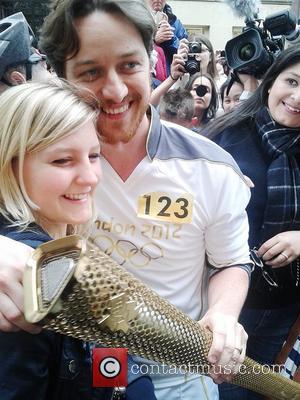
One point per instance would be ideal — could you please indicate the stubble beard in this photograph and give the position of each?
(124, 136)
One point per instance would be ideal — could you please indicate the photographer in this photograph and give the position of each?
(194, 56)
(263, 135)
(141, 155)
(199, 56)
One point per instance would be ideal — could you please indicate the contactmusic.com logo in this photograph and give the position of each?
(110, 367)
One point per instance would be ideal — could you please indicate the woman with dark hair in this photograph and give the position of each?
(230, 98)
(263, 135)
(203, 89)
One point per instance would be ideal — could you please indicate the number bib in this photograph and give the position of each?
(162, 207)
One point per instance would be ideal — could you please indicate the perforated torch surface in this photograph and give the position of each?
(108, 305)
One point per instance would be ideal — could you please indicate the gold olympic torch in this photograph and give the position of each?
(74, 288)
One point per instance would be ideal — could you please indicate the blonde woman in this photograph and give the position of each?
(49, 168)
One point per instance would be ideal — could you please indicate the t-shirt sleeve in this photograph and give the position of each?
(227, 233)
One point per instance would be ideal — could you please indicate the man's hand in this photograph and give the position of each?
(164, 32)
(281, 249)
(249, 82)
(228, 347)
(13, 259)
(226, 294)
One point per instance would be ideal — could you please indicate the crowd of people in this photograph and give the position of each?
(104, 125)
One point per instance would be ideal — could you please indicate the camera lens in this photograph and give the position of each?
(201, 90)
(247, 52)
(192, 67)
(194, 47)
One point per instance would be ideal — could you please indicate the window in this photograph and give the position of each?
(197, 29)
(236, 30)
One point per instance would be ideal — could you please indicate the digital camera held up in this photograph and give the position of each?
(192, 64)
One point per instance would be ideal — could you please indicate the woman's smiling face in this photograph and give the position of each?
(61, 178)
(284, 97)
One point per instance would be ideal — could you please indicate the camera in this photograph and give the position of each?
(192, 65)
(254, 50)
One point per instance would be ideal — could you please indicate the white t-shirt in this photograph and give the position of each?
(182, 206)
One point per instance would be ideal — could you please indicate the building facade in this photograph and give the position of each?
(216, 19)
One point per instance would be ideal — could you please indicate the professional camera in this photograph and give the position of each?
(254, 50)
(192, 65)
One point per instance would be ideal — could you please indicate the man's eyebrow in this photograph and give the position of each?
(83, 63)
(93, 62)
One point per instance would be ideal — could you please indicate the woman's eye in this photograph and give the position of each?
(292, 82)
(94, 156)
(61, 161)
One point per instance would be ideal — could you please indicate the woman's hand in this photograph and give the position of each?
(281, 249)
(183, 48)
(177, 67)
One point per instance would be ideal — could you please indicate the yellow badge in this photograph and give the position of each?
(164, 207)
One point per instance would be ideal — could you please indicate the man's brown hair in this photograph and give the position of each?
(59, 38)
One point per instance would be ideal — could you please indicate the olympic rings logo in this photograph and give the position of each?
(124, 251)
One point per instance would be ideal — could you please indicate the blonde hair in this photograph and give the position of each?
(32, 117)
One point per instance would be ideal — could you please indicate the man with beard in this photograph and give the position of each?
(171, 208)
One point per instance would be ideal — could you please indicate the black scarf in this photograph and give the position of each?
(282, 144)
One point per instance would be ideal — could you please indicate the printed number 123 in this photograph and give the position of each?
(160, 206)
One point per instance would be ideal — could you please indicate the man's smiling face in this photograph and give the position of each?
(114, 64)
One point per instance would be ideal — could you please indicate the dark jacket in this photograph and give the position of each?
(243, 143)
(170, 46)
(46, 366)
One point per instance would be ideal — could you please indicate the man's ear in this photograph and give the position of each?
(16, 78)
